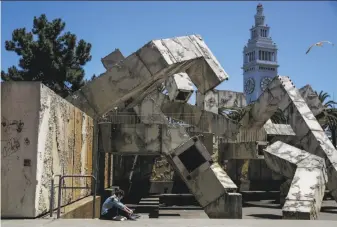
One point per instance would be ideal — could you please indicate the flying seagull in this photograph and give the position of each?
(319, 44)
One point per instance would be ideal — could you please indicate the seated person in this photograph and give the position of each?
(114, 202)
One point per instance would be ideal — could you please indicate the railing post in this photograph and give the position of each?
(60, 192)
(94, 202)
(51, 206)
(59, 197)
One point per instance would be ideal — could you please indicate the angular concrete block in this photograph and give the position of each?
(110, 60)
(283, 158)
(149, 110)
(262, 110)
(156, 61)
(172, 137)
(207, 181)
(243, 150)
(312, 100)
(203, 120)
(209, 101)
(282, 93)
(179, 87)
(231, 99)
(135, 138)
(299, 210)
(215, 99)
(284, 190)
(278, 129)
(309, 175)
(228, 206)
(194, 164)
(315, 141)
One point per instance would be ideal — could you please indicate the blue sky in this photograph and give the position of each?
(223, 25)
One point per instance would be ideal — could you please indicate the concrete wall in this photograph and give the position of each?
(83, 209)
(41, 134)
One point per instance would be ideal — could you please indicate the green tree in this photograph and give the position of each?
(50, 55)
(328, 117)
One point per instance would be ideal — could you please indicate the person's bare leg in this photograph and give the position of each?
(129, 211)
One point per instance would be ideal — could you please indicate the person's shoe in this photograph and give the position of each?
(119, 218)
(132, 217)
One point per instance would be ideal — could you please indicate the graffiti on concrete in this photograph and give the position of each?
(12, 125)
(11, 147)
(27, 141)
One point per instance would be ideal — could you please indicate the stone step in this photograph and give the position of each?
(139, 208)
(180, 208)
(150, 199)
(178, 199)
(149, 203)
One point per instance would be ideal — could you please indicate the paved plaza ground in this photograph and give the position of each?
(255, 214)
(166, 223)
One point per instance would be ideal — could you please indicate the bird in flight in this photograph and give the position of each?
(319, 44)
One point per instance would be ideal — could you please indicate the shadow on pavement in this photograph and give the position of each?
(169, 215)
(329, 209)
(266, 216)
(262, 205)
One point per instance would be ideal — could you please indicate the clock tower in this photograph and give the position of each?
(259, 58)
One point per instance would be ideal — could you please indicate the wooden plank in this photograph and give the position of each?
(69, 150)
(77, 153)
(106, 170)
(84, 153)
(89, 170)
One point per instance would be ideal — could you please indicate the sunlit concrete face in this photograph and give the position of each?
(215, 99)
(309, 134)
(308, 174)
(42, 135)
(150, 66)
(179, 87)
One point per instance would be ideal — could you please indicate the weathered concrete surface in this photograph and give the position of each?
(208, 182)
(309, 178)
(204, 121)
(130, 80)
(111, 59)
(136, 138)
(179, 87)
(82, 209)
(214, 100)
(278, 129)
(312, 100)
(42, 135)
(309, 134)
(243, 150)
(281, 93)
(194, 164)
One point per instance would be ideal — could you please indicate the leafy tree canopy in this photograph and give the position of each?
(50, 55)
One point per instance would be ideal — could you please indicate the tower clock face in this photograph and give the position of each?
(265, 82)
(249, 86)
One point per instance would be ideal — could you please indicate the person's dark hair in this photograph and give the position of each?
(119, 193)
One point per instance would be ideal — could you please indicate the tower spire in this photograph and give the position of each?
(259, 17)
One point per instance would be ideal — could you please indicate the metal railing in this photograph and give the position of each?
(76, 176)
(51, 205)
